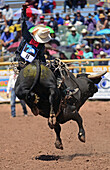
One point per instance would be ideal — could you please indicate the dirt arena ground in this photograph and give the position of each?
(26, 143)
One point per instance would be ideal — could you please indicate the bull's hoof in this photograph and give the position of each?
(81, 137)
(52, 122)
(35, 111)
(59, 145)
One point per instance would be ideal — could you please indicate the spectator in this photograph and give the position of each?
(87, 53)
(101, 23)
(53, 24)
(54, 40)
(101, 11)
(42, 20)
(34, 19)
(97, 49)
(67, 20)
(107, 21)
(83, 42)
(108, 10)
(79, 52)
(8, 12)
(45, 5)
(96, 17)
(7, 38)
(33, 3)
(18, 36)
(73, 38)
(91, 24)
(2, 4)
(3, 22)
(107, 48)
(68, 3)
(69, 26)
(107, 37)
(102, 56)
(78, 17)
(11, 85)
(59, 20)
(82, 3)
(100, 3)
(62, 56)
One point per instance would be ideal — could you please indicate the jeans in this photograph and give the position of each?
(13, 101)
(10, 22)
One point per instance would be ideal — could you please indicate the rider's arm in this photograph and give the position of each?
(25, 24)
(25, 33)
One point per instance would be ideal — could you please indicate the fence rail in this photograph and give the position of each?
(80, 61)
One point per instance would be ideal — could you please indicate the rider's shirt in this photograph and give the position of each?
(29, 52)
(29, 49)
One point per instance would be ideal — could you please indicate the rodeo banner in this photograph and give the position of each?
(4, 78)
(103, 86)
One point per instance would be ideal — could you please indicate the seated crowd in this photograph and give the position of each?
(78, 33)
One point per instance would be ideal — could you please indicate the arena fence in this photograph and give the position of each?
(87, 64)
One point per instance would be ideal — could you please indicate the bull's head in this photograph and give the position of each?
(87, 84)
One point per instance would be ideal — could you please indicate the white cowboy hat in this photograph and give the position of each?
(73, 29)
(69, 25)
(107, 42)
(87, 47)
(78, 46)
(41, 34)
(102, 53)
(97, 42)
(84, 30)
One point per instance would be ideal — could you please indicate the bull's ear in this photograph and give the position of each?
(77, 95)
(96, 80)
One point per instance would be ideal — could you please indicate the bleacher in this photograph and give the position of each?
(16, 5)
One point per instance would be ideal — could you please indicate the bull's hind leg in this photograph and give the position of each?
(58, 142)
(78, 119)
(52, 118)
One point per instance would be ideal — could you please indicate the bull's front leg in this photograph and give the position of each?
(78, 119)
(58, 142)
(52, 117)
(23, 94)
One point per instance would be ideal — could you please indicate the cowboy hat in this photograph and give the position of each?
(102, 53)
(84, 31)
(87, 47)
(69, 25)
(73, 29)
(6, 29)
(78, 46)
(107, 42)
(101, 16)
(41, 34)
(35, 27)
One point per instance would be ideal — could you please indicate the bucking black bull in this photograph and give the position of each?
(64, 102)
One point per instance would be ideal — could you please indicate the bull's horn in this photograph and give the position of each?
(97, 75)
(75, 91)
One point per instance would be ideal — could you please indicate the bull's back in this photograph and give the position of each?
(47, 78)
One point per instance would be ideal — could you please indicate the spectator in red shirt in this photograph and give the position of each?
(79, 52)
